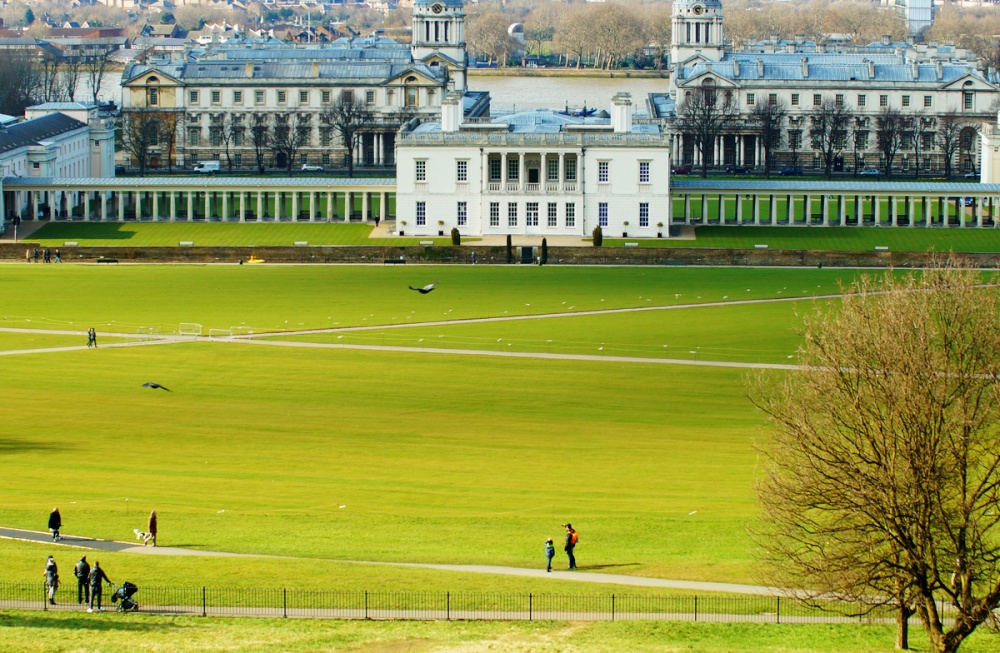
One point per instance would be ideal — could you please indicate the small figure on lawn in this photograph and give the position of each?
(550, 552)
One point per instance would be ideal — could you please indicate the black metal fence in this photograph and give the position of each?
(230, 602)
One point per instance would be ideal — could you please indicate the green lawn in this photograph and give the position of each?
(113, 633)
(897, 239)
(214, 234)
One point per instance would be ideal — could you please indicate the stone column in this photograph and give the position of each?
(807, 208)
(893, 210)
(190, 203)
(772, 205)
(119, 199)
(156, 206)
(243, 206)
(312, 206)
(520, 171)
(295, 206)
(225, 206)
(960, 211)
(104, 207)
(329, 206)
(739, 209)
(687, 209)
(86, 206)
(173, 206)
(365, 196)
(208, 205)
(562, 171)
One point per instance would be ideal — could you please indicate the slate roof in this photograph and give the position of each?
(30, 132)
(832, 67)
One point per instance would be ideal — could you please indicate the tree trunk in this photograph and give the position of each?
(903, 615)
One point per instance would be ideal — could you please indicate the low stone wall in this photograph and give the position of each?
(498, 255)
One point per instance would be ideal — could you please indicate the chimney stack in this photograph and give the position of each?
(451, 112)
(805, 67)
(621, 113)
(249, 70)
(760, 68)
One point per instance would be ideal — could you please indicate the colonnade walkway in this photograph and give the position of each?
(834, 203)
(238, 199)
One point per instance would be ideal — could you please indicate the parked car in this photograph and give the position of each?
(972, 175)
(791, 172)
(739, 170)
(208, 167)
(870, 172)
(681, 170)
(311, 167)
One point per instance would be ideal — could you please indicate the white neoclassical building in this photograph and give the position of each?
(534, 173)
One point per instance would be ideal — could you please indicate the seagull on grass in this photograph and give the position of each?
(155, 386)
(426, 289)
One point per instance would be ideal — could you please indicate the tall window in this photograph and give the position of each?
(462, 213)
(928, 101)
(968, 99)
(751, 99)
(461, 171)
(817, 99)
(192, 97)
(602, 214)
(194, 136)
(325, 95)
(553, 169)
(154, 97)
(644, 172)
(411, 97)
(494, 214)
(494, 169)
(906, 101)
(531, 214)
(369, 97)
(512, 214)
(258, 97)
(839, 99)
(303, 97)
(513, 169)
(862, 100)
(772, 99)
(644, 214)
(420, 171)
(571, 215)
(553, 215)
(570, 169)
(237, 97)
(282, 97)
(216, 97)
(603, 172)
(347, 97)
(795, 99)
(883, 100)
(421, 213)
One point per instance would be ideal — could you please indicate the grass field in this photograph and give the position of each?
(330, 455)
(112, 633)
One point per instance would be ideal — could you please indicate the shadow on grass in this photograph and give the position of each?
(20, 446)
(69, 231)
(593, 567)
(80, 622)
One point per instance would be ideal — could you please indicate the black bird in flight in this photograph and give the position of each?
(155, 386)
(426, 289)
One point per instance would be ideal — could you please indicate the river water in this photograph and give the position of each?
(508, 94)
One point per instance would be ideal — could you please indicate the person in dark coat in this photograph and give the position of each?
(150, 530)
(51, 579)
(55, 523)
(82, 573)
(97, 577)
(571, 538)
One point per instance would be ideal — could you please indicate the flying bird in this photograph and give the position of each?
(155, 386)
(426, 289)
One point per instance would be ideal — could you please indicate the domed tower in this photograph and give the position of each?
(697, 30)
(439, 37)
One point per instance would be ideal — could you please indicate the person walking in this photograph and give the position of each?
(571, 540)
(55, 523)
(46, 256)
(82, 572)
(58, 259)
(92, 337)
(97, 577)
(150, 530)
(34, 255)
(51, 579)
(550, 552)
(27, 255)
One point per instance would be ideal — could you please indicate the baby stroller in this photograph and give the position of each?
(124, 595)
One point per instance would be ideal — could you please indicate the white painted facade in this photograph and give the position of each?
(537, 173)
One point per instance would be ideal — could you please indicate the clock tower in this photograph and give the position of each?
(439, 37)
(697, 30)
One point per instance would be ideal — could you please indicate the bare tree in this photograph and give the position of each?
(260, 138)
(948, 138)
(768, 120)
(19, 84)
(94, 70)
(168, 137)
(918, 126)
(140, 131)
(828, 127)
(889, 126)
(572, 37)
(290, 134)
(703, 116)
(49, 88)
(72, 73)
(486, 33)
(859, 140)
(881, 480)
(349, 116)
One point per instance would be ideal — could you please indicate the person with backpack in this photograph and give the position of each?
(571, 539)
(550, 552)
(82, 573)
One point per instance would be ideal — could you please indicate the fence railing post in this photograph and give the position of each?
(531, 606)
(777, 612)
(366, 604)
(45, 599)
(448, 606)
(204, 602)
(696, 607)
(612, 607)
(284, 602)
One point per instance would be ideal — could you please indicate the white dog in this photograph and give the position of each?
(140, 535)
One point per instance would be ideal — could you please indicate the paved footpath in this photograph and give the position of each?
(577, 576)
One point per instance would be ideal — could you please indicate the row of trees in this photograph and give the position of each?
(832, 129)
(284, 134)
(28, 80)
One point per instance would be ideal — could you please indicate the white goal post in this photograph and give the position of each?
(189, 329)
